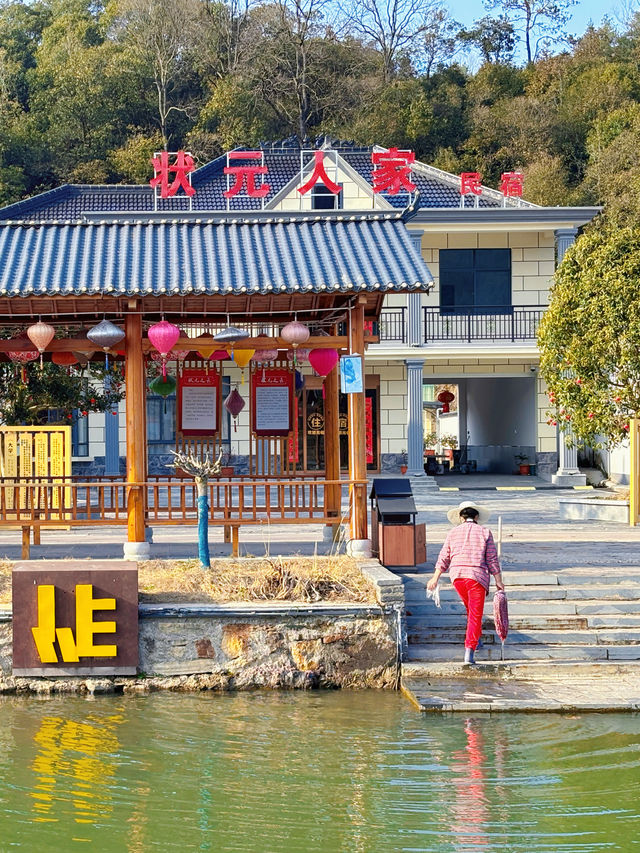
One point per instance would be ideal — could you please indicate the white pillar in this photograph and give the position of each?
(415, 449)
(568, 473)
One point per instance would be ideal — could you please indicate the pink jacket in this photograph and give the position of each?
(469, 552)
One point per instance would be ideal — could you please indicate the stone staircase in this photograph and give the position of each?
(566, 615)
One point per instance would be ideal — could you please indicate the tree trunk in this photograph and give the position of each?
(203, 524)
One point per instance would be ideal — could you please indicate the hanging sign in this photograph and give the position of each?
(199, 402)
(272, 394)
(351, 374)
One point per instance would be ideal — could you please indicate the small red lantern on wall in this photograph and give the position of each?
(446, 398)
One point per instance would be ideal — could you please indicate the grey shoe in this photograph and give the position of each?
(468, 656)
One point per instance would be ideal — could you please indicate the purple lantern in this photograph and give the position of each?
(234, 404)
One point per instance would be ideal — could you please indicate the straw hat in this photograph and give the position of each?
(483, 513)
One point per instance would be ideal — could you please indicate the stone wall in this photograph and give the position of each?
(243, 646)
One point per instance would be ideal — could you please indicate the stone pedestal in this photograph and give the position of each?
(359, 548)
(568, 473)
(137, 551)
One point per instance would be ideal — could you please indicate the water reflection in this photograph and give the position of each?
(318, 773)
(74, 760)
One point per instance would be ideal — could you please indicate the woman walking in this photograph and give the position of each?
(469, 555)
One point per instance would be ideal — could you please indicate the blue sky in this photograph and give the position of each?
(466, 12)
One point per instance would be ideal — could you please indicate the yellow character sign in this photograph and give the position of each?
(83, 645)
(58, 608)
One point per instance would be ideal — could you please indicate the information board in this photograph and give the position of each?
(271, 402)
(199, 402)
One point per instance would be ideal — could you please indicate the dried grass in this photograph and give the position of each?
(305, 579)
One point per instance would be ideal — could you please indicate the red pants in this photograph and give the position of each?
(473, 595)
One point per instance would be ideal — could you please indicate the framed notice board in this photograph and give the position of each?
(199, 402)
(272, 397)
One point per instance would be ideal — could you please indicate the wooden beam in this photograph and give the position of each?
(135, 421)
(357, 446)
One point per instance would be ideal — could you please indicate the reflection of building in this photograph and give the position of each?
(475, 329)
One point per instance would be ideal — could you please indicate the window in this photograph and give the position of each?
(323, 199)
(475, 281)
(161, 423)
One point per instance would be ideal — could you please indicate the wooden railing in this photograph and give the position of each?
(233, 503)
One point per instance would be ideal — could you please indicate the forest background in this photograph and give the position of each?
(88, 90)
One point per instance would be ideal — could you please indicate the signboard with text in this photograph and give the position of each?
(199, 402)
(272, 393)
(75, 617)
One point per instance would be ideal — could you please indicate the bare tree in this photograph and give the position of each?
(439, 39)
(221, 44)
(540, 22)
(157, 36)
(393, 26)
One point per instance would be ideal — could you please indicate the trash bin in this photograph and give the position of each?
(396, 539)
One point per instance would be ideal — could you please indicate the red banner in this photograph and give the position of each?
(368, 429)
(199, 402)
(272, 398)
(294, 450)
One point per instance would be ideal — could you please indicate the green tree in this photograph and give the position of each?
(590, 335)
(494, 38)
(540, 23)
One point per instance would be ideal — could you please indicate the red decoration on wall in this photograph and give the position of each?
(188, 408)
(294, 450)
(245, 175)
(181, 166)
(272, 396)
(392, 172)
(512, 184)
(368, 429)
(319, 174)
(445, 397)
(470, 183)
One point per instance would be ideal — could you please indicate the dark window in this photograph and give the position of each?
(475, 281)
(323, 199)
(161, 423)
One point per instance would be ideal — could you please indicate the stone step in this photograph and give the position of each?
(601, 636)
(606, 607)
(617, 620)
(518, 651)
(593, 594)
(516, 608)
(419, 624)
(527, 668)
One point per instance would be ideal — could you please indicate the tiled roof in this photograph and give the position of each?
(437, 189)
(223, 255)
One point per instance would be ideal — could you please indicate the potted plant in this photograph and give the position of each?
(227, 470)
(404, 462)
(523, 463)
(449, 442)
(430, 441)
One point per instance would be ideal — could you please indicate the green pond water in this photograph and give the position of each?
(343, 771)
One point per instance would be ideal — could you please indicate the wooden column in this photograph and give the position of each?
(135, 422)
(357, 447)
(332, 442)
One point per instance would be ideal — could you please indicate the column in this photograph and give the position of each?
(360, 543)
(414, 300)
(136, 547)
(568, 473)
(111, 438)
(332, 494)
(415, 451)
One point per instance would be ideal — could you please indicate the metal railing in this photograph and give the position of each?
(392, 326)
(516, 323)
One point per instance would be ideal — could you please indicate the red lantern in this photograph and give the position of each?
(64, 359)
(445, 397)
(323, 361)
(234, 404)
(23, 358)
(163, 336)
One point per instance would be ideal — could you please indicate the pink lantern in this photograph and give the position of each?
(64, 359)
(261, 355)
(163, 336)
(300, 355)
(323, 360)
(234, 404)
(295, 333)
(219, 355)
(41, 334)
(23, 358)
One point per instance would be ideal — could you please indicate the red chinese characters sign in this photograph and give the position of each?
(199, 402)
(170, 175)
(368, 429)
(245, 175)
(319, 175)
(392, 172)
(272, 394)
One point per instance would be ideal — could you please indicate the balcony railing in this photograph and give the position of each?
(516, 323)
